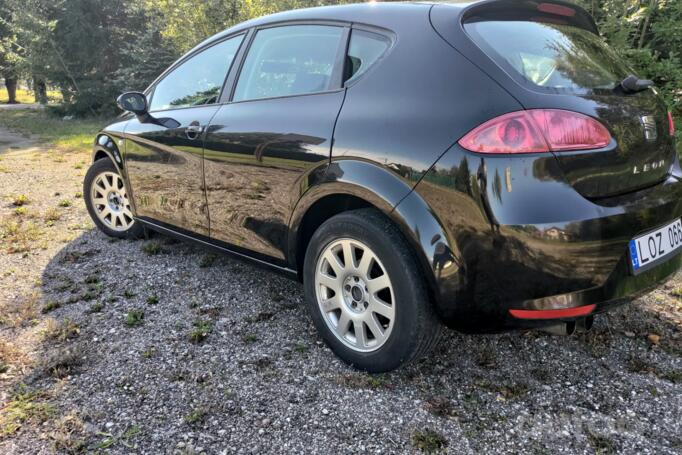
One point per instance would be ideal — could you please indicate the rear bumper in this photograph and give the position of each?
(516, 237)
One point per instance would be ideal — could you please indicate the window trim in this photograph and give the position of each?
(337, 71)
(149, 92)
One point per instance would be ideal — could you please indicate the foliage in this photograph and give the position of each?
(648, 34)
(95, 49)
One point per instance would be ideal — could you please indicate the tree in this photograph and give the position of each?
(7, 64)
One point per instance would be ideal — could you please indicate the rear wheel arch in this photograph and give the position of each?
(371, 189)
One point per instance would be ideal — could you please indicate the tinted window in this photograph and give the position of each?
(560, 58)
(364, 49)
(291, 60)
(198, 80)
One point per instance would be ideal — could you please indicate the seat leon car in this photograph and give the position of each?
(481, 165)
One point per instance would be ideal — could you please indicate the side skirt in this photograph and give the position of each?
(218, 247)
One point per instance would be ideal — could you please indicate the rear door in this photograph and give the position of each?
(262, 145)
(549, 56)
(164, 157)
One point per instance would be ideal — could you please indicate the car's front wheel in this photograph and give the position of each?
(106, 199)
(366, 294)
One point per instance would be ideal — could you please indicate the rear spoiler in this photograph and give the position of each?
(553, 11)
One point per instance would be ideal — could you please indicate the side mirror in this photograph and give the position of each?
(134, 102)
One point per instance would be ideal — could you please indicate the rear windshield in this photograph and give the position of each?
(547, 56)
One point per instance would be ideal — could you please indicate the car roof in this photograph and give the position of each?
(370, 13)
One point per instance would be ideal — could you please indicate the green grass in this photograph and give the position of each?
(134, 318)
(200, 331)
(25, 406)
(428, 441)
(75, 133)
(28, 96)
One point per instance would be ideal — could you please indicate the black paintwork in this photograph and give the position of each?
(491, 232)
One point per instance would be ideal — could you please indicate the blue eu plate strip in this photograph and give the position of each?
(633, 254)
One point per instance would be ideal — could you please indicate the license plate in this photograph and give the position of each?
(650, 249)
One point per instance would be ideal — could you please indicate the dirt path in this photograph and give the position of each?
(157, 347)
(11, 141)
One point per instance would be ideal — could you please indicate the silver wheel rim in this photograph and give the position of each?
(355, 295)
(110, 201)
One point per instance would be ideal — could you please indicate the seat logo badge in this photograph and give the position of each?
(649, 124)
(646, 167)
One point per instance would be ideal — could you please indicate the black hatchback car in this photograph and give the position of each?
(490, 165)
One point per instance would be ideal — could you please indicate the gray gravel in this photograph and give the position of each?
(261, 381)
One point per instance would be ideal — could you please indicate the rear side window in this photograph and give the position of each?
(549, 56)
(364, 50)
(198, 80)
(289, 60)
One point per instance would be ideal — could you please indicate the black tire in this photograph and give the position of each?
(416, 327)
(99, 167)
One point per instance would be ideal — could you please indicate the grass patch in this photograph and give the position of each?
(16, 314)
(96, 307)
(196, 416)
(75, 134)
(508, 391)
(249, 338)
(301, 348)
(63, 363)
(52, 215)
(642, 366)
(20, 211)
(25, 406)
(601, 444)
(207, 260)
(152, 299)
(440, 406)
(428, 441)
(152, 248)
(20, 200)
(50, 306)
(200, 331)
(134, 318)
(69, 434)
(19, 236)
(262, 317)
(149, 352)
(364, 381)
(65, 203)
(61, 331)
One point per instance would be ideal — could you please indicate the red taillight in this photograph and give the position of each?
(537, 131)
(671, 124)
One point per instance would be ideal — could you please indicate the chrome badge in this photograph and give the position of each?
(646, 167)
(649, 124)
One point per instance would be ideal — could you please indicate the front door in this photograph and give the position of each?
(164, 158)
(261, 146)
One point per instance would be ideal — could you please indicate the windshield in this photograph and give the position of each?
(552, 57)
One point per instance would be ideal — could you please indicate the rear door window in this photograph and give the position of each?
(552, 57)
(289, 60)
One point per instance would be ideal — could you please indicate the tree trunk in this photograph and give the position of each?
(653, 4)
(40, 89)
(11, 84)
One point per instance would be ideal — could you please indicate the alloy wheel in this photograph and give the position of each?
(355, 295)
(110, 201)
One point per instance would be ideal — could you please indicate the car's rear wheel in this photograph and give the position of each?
(366, 294)
(107, 201)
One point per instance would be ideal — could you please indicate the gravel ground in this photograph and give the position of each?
(156, 346)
